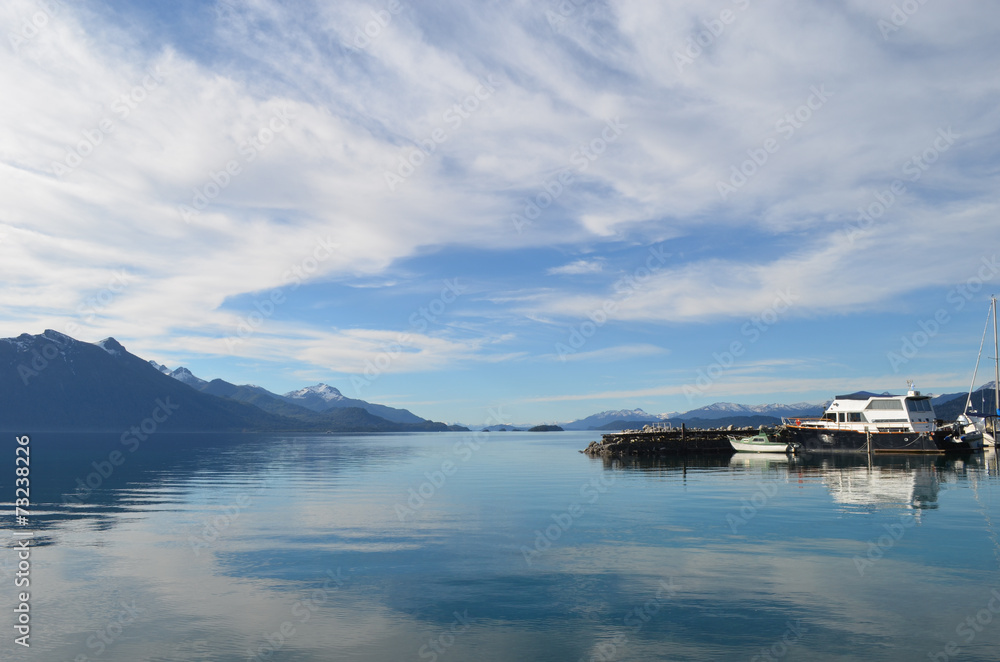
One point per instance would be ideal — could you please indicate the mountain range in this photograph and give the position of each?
(595, 421)
(719, 413)
(319, 398)
(947, 407)
(54, 382)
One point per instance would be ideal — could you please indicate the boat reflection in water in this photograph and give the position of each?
(911, 482)
(856, 481)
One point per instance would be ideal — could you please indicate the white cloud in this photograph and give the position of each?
(578, 267)
(356, 113)
(755, 387)
(616, 353)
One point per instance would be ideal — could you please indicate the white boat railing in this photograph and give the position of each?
(799, 420)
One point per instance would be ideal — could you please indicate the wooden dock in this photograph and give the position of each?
(673, 441)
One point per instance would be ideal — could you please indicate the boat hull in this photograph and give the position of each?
(965, 443)
(832, 440)
(749, 447)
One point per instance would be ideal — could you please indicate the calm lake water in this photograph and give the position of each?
(506, 546)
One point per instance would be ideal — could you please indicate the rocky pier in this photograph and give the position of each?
(652, 441)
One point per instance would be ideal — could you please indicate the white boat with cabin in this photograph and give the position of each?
(758, 443)
(868, 422)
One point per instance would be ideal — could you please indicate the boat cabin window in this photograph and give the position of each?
(885, 404)
(919, 405)
(830, 416)
(855, 417)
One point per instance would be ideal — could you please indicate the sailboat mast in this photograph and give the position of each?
(979, 357)
(996, 358)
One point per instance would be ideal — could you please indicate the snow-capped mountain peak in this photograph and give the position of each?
(324, 391)
(184, 375)
(727, 407)
(626, 414)
(109, 345)
(159, 366)
(777, 409)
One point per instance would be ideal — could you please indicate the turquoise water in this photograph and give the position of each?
(506, 546)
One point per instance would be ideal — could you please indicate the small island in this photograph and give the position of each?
(546, 428)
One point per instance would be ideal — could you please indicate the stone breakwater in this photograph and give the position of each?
(665, 442)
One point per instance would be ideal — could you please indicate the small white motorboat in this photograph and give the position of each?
(758, 443)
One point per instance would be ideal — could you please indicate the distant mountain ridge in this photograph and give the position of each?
(729, 412)
(595, 421)
(735, 421)
(776, 410)
(53, 382)
(983, 400)
(947, 407)
(318, 397)
(322, 397)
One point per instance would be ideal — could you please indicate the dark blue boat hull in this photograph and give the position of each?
(820, 440)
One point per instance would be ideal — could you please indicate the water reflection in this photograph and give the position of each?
(852, 479)
(664, 463)
(93, 476)
(223, 541)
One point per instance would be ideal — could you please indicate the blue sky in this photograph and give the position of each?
(554, 208)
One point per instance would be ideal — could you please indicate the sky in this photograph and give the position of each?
(539, 209)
